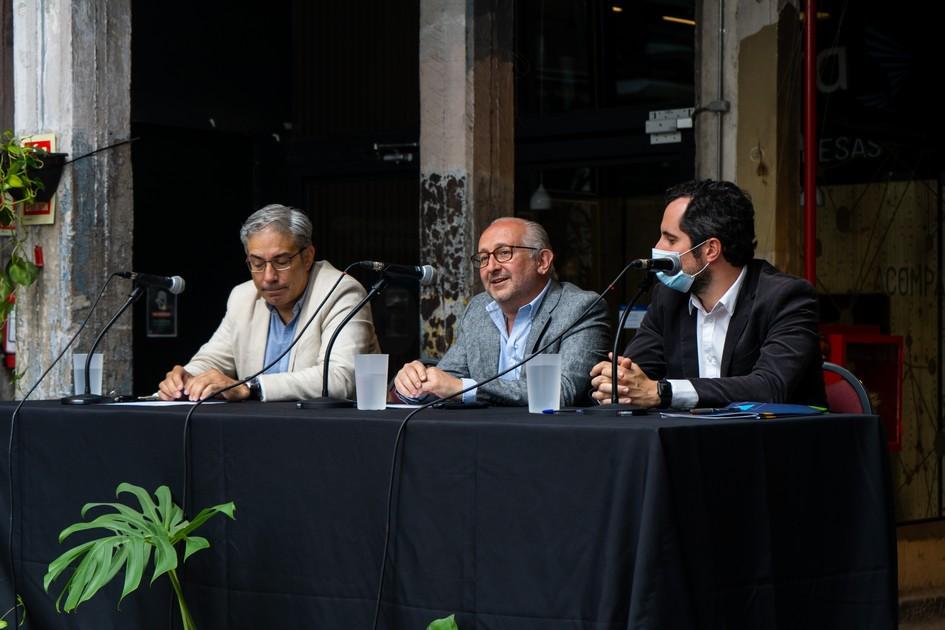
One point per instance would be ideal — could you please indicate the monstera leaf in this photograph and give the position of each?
(133, 536)
(446, 623)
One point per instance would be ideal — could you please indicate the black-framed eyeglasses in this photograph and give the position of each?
(502, 254)
(279, 263)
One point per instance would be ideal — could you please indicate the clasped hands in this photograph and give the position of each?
(633, 386)
(181, 384)
(416, 380)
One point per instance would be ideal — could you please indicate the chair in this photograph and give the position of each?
(845, 394)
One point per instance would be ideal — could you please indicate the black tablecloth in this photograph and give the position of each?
(508, 519)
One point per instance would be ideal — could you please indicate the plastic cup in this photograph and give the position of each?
(543, 378)
(78, 373)
(370, 379)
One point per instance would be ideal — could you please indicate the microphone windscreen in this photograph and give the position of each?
(177, 285)
(429, 275)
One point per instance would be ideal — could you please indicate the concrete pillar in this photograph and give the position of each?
(467, 142)
(72, 77)
(754, 47)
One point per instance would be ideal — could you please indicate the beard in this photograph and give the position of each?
(702, 281)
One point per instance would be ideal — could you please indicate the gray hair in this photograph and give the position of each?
(281, 218)
(535, 235)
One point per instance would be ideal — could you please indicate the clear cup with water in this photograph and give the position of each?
(78, 373)
(543, 379)
(370, 379)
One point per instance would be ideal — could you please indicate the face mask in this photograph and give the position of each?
(680, 281)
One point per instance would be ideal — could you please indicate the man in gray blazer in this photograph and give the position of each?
(523, 308)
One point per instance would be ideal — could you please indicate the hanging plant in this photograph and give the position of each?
(20, 184)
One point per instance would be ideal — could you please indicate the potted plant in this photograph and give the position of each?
(131, 538)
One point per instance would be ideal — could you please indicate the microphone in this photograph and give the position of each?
(669, 265)
(425, 274)
(174, 284)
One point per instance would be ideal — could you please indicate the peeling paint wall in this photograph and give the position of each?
(446, 217)
(446, 238)
(72, 77)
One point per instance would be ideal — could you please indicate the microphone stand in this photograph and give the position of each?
(615, 408)
(327, 402)
(88, 398)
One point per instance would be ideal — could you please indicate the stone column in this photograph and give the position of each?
(467, 141)
(72, 77)
(759, 46)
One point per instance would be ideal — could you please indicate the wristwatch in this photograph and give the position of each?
(665, 391)
(255, 389)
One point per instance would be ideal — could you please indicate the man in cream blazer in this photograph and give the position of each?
(265, 314)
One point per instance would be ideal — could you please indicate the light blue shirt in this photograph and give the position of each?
(512, 344)
(280, 337)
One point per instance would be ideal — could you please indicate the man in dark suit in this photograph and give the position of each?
(727, 327)
(523, 308)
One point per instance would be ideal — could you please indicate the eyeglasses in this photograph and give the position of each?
(502, 254)
(279, 263)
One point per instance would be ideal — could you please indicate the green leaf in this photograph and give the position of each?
(446, 623)
(139, 553)
(121, 508)
(112, 522)
(61, 563)
(13, 181)
(22, 271)
(205, 514)
(165, 558)
(163, 494)
(147, 505)
(100, 572)
(5, 286)
(7, 216)
(80, 578)
(194, 544)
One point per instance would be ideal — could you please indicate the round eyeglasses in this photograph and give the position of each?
(502, 254)
(279, 263)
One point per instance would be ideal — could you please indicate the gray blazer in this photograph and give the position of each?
(475, 353)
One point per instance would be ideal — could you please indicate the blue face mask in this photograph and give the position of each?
(680, 281)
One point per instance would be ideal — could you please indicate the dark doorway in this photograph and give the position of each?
(588, 73)
(238, 106)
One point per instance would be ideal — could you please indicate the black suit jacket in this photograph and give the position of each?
(772, 347)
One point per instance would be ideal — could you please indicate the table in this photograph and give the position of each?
(508, 519)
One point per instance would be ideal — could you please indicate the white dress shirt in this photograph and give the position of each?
(711, 329)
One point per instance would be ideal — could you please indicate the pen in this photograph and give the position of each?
(553, 411)
(699, 411)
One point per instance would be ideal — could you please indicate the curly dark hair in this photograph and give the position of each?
(720, 209)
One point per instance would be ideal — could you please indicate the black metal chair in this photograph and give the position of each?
(848, 394)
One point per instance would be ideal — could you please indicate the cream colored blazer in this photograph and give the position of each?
(238, 346)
